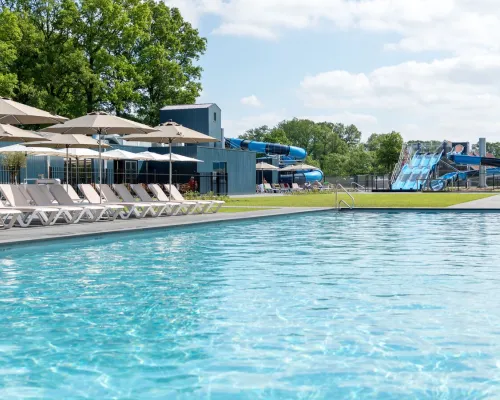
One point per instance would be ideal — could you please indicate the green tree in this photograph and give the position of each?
(276, 135)
(256, 134)
(14, 162)
(10, 38)
(387, 154)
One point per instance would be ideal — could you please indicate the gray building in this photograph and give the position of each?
(204, 118)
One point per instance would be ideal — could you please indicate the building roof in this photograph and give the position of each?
(188, 106)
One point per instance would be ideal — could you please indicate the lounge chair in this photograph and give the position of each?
(157, 207)
(8, 216)
(17, 200)
(186, 207)
(70, 214)
(138, 209)
(95, 212)
(277, 188)
(93, 198)
(72, 194)
(269, 189)
(296, 188)
(207, 206)
(172, 208)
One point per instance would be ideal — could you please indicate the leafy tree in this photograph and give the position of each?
(256, 134)
(387, 154)
(14, 162)
(277, 135)
(129, 57)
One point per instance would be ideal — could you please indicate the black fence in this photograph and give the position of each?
(203, 183)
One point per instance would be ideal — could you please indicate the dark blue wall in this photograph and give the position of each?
(206, 120)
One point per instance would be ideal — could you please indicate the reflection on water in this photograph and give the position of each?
(320, 306)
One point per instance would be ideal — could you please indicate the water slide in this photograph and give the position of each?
(289, 153)
(415, 174)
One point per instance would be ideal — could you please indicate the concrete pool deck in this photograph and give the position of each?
(34, 234)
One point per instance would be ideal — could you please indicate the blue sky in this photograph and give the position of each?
(427, 69)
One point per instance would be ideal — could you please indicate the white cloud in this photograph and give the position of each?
(452, 97)
(251, 101)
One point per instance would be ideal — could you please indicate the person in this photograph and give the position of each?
(193, 185)
(264, 181)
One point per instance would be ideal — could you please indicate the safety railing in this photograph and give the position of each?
(338, 204)
(399, 164)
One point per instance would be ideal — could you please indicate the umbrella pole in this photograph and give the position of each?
(170, 172)
(67, 167)
(100, 167)
(77, 172)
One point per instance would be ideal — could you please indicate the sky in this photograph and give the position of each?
(429, 69)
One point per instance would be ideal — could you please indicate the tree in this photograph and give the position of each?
(129, 57)
(276, 135)
(14, 162)
(256, 134)
(387, 154)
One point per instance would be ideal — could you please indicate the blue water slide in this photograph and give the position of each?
(268, 148)
(290, 154)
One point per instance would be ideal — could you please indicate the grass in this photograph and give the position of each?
(361, 200)
(240, 209)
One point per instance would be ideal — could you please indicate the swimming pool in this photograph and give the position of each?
(319, 306)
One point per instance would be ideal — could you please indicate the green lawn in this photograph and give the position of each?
(361, 200)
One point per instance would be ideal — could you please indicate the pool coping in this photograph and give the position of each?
(422, 209)
(18, 237)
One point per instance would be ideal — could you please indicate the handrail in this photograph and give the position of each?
(357, 186)
(399, 165)
(338, 203)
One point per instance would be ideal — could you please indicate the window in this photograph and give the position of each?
(215, 117)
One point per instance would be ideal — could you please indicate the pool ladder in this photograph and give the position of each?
(338, 204)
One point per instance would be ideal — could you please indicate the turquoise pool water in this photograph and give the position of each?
(319, 306)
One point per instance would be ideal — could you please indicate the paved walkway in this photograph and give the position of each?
(492, 202)
(43, 233)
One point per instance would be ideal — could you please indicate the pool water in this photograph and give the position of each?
(317, 306)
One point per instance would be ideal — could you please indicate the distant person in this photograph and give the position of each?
(193, 185)
(264, 181)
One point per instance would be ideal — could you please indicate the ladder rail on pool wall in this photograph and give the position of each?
(338, 204)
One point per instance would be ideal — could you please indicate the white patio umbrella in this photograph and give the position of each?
(119, 154)
(14, 113)
(263, 166)
(58, 141)
(99, 123)
(171, 132)
(10, 133)
(173, 157)
(30, 151)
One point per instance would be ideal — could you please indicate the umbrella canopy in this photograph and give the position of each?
(67, 141)
(32, 151)
(10, 133)
(83, 153)
(119, 154)
(299, 167)
(12, 112)
(99, 123)
(171, 132)
(262, 166)
(166, 158)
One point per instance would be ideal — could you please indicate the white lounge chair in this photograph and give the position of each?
(93, 198)
(173, 208)
(8, 216)
(72, 194)
(206, 205)
(95, 212)
(138, 209)
(70, 214)
(186, 207)
(17, 200)
(157, 208)
(296, 188)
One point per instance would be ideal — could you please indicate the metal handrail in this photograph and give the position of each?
(357, 186)
(338, 203)
(399, 165)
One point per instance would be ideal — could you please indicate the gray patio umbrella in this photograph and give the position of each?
(58, 141)
(299, 167)
(14, 113)
(263, 166)
(10, 133)
(171, 132)
(99, 123)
